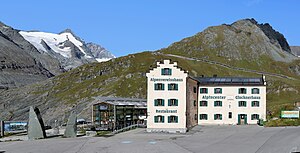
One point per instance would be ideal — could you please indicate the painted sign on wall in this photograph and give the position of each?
(289, 114)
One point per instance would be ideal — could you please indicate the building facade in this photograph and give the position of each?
(177, 102)
(110, 113)
(231, 100)
(171, 99)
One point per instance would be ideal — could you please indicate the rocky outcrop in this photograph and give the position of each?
(296, 50)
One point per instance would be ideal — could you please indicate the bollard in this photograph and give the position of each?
(2, 128)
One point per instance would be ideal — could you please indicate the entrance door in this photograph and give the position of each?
(242, 119)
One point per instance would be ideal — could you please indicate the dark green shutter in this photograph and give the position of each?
(162, 71)
(215, 90)
(155, 102)
(170, 71)
(163, 102)
(252, 116)
(201, 90)
(163, 86)
(215, 116)
(169, 102)
(215, 103)
(239, 119)
(221, 90)
(220, 116)
(155, 86)
(176, 119)
(169, 119)
(169, 86)
(163, 119)
(245, 91)
(246, 119)
(252, 104)
(155, 119)
(176, 86)
(239, 90)
(221, 103)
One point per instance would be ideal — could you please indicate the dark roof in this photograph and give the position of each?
(230, 81)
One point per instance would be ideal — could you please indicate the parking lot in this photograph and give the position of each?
(202, 139)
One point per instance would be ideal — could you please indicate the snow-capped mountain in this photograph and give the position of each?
(69, 49)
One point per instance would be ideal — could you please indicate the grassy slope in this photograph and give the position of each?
(125, 77)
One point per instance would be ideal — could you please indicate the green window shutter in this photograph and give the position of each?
(155, 119)
(257, 103)
(220, 116)
(163, 102)
(257, 116)
(163, 86)
(239, 90)
(206, 117)
(162, 71)
(240, 103)
(169, 119)
(220, 103)
(170, 71)
(215, 90)
(155, 86)
(215, 103)
(169, 86)
(176, 119)
(176, 86)
(201, 90)
(163, 119)
(176, 102)
(245, 91)
(215, 116)
(252, 116)
(169, 102)
(221, 90)
(155, 102)
(246, 119)
(252, 103)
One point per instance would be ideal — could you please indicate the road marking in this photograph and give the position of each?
(126, 142)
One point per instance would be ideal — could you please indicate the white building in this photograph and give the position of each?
(177, 102)
(231, 100)
(171, 99)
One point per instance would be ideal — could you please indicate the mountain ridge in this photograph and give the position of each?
(126, 76)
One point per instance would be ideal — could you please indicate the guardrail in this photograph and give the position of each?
(129, 128)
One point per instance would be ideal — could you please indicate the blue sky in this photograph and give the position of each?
(130, 26)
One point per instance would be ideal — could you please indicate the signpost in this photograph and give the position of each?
(289, 114)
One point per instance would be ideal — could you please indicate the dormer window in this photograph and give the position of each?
(166, 71)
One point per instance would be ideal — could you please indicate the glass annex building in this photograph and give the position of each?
(177, 101)
(116, 113)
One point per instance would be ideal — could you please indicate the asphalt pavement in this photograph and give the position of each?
(201, 139)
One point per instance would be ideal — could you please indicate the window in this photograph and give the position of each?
(172, 86)
(203, 103)
(172, 119)
(196, 117)
(203, 116)
(218, 116)
(203, 90)
(255, 104)
(230, 115)
(159, 102)
(195, 90)
(242, 91)
(218, 90)
(254, 117)
(195, 103)
(173, 102)
(255, 91)
(166, 71)
(159, 119)
(242, 103)
(159, 86)
(218, 103)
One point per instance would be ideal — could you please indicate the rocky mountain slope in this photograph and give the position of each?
(207, 53)
(28, 57)
(68, 48)
(296, 50)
